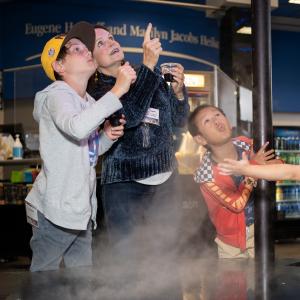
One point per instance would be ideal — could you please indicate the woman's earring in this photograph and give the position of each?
(96, 76)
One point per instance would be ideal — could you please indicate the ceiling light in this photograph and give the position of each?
(294, 1)
(245, 30)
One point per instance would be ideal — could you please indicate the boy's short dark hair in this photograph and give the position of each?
(192, 127)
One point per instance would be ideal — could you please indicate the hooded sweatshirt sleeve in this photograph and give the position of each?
(105, 143)
(67, 112)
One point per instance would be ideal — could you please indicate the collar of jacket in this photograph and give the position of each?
(106, 78)
(205, 172)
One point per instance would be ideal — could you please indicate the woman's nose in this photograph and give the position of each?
(110, 43)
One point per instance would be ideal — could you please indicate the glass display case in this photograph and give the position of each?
(287, 146)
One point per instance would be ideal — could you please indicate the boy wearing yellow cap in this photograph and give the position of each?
(62, 203)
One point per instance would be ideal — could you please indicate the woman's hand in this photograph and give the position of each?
(152, 49)
(113, 133)
(177, 84)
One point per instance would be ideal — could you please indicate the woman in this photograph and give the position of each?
(139, 171)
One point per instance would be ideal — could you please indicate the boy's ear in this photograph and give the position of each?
(58, 66)
(200, 140)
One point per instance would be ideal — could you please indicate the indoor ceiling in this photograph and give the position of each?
(285, 9)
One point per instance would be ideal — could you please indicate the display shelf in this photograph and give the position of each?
(15, 232)
(287, 201)
(287, 151)
(287, 147)
(296, 216)
(288, 183)
(13, 204)
(289, 209)
(287, 228)
(18, 162)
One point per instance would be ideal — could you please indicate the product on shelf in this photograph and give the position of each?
(6, 146)
(287, 143)
(17, 148)
(279, 193)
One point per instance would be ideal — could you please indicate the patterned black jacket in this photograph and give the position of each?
(145, 149)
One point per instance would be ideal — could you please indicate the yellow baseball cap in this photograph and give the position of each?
(83, 31)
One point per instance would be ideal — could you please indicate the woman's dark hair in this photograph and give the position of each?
(94, 81)
(192, 127)
(101, 27)
(94, 78)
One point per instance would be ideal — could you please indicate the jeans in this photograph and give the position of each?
(142, 218)
(51, 244)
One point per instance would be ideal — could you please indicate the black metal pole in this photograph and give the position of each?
(262, 132)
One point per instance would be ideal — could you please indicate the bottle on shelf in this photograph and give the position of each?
(283, 156)
(293, 195)
(291, 158)
(297, 143)
(288, 143)
(17, 148)
(279, 193)
(282, 143)
(277, 143)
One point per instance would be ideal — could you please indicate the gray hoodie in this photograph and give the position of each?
(65, 189)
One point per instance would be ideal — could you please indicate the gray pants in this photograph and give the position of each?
(51, 244)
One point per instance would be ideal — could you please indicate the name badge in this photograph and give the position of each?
(31, 214)
(152, 116)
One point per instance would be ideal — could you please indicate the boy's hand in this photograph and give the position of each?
(125, 77)
(152, 49)
(234, 167)
(113, 133)
(262, 156)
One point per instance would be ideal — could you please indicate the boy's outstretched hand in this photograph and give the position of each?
(234, 167)
(262, 156)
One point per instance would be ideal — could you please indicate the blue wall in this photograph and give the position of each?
(198, 34)
(286, 66)
(21, 43)
(1, 37)
(181, 31)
